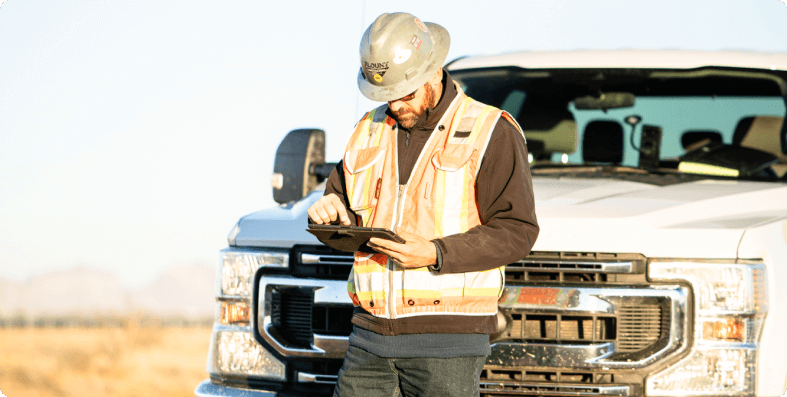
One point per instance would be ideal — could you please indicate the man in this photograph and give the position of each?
(450, 175)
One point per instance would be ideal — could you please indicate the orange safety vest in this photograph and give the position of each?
(439, 200)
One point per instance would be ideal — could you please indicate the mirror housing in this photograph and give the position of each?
(606, 100)
(298, 154)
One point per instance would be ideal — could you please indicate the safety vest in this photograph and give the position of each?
(438, 200)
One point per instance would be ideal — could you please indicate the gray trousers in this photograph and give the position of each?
(366, 375)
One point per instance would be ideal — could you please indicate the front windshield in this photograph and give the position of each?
(566, 135)
(677, 117)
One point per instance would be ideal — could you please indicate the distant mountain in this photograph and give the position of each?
(184, 291)
(80, 291)
(180, 291)
(10, 297)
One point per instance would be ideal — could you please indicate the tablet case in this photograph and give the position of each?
(351, 238)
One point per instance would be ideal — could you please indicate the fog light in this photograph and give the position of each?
(234, 313)
(237, 353)
(728, 330)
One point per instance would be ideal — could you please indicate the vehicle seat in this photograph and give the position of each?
(766, 133)
(694, 136)
(603, 142)
(555, 128)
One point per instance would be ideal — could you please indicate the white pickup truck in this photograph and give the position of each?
(661, 192)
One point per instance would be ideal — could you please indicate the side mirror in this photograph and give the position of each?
(293, 177)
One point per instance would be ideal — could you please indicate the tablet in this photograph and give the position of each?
(351, 238)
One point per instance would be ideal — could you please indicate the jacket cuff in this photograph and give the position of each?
(439, 265)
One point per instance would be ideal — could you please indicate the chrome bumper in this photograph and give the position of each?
(207, 389)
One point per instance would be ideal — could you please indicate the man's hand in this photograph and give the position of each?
(328, 209)
(415, 252)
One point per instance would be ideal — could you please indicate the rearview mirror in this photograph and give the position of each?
(298, 152)
(607, 100)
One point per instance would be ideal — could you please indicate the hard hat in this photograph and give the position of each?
(399, 54)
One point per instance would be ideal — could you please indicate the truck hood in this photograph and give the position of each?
(703, 219)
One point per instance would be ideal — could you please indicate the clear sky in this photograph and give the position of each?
(133, 134)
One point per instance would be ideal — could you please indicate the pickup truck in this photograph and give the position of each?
(660, 180)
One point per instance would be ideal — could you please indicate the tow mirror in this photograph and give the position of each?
(293, 170)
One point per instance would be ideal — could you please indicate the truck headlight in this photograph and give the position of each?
(239, 265)
(730, 304)
(233, 351)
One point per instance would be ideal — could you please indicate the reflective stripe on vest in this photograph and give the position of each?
(439, 200)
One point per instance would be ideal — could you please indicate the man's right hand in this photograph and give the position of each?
(328, 209)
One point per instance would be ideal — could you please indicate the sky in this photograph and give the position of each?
(134, 134)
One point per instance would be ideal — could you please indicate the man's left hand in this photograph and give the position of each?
(415, 252)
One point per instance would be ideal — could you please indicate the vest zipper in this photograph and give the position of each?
(392, 293)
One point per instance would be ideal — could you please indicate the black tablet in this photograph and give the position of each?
(351, 238)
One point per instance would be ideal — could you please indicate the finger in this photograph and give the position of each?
(380, 249)
(391, 254)
(322, 214)
(314, 216)
(381, 242)
(340, 209)
(332, 214)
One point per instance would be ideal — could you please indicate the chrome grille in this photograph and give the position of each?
(639, 327)
(571, 324)
(292, 316)
(297, 319)
(540, 328)
(332, 320)
(320, 261)
(498, 381)
(562, 267)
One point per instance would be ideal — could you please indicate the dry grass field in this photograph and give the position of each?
(124, 361)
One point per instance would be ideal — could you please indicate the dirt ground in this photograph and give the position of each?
(111, 362)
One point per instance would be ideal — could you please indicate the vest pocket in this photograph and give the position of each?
(452, 157)
(364, 168)
(454, 177)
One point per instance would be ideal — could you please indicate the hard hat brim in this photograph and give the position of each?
(442, 42)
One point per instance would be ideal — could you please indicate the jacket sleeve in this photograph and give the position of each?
(505, 200)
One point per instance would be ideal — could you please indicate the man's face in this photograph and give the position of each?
(407, 110)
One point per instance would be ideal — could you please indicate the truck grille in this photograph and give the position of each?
(634, 328)
(577, 267)
(571, 324)
(320, 261)
(540, 328)
(292, 316)
(297, 319)
(640, 327)
(520, 382)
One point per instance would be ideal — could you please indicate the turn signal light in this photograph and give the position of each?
(234, 313)
(724, 330)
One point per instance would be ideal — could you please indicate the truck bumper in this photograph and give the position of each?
(207, 389)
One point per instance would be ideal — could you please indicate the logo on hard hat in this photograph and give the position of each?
(376, 70)
(416, 42)
(421, 25)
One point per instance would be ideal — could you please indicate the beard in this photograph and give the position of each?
(406, 116)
